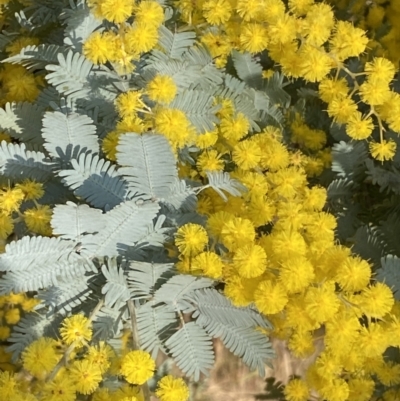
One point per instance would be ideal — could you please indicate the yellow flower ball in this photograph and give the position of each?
(137, 367)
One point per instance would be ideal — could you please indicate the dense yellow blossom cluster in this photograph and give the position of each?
(62, 369)
(19, 203)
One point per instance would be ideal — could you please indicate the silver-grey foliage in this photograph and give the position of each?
(111, 219)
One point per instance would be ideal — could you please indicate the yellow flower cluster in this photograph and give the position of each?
(75, 366)
(12, 308)
(37, 218)
(304, 40)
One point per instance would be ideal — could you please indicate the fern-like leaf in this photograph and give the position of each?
(125, 225)
(176, 289)
(75, 222)
(248, 69)
(37, 57)
(348, 158)
(18, 163)
(116, 289)
(145, 278)
(155, 323)
(80, 23)
(198, 107)
(23, 121)
(95, 180)
(175, 44)
(68, 294)
(144, 170)
(63, 131)
(108, 323)
(390, 274)
(210, 305)
(181, 196)
(192, 350)
(219, 180)
(70, 76)
(30, 328)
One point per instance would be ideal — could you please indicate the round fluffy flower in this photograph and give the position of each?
(384, 150)
(288, 245)
(161, 88)
(18, 44)
(149, 13)
(234, 128)
(4, 332)
(358, 127)
(97, 49)
(253, 37)
(76, 329)
(40, 357)
(315, 63)
(116, 10)
(246, 154)
(335, 390)
(127, 103)
(318, 23)
(314, 198)
(210, 160)
(19, 84)
(209, 263)
(300, 7)
(12, 316)
(341, 329)
(373, 340)
(329, 89)
(321, 302)
(376, 300)
(347, 41)
(296, 390)
(361, 389)
(301, 343)
(207, 139)
(274, 154)
(140, 38)
(296, 274)
(137, 367)
(341, 108)
(100, 355)
(62, 388)
(191, 239)
(86, 376)
(236, 232)
(250, 261)
(282, 30)
(11, 199)
(174, 125)
(270, 298)
(380, 70)
(31, 189)
(217, 12)
(353, 274)
(240, 290)
(287, 182)
(171, 388)
(38, 220)
(374, 93)
(8, 386)
(110, 143)
(6, 225)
